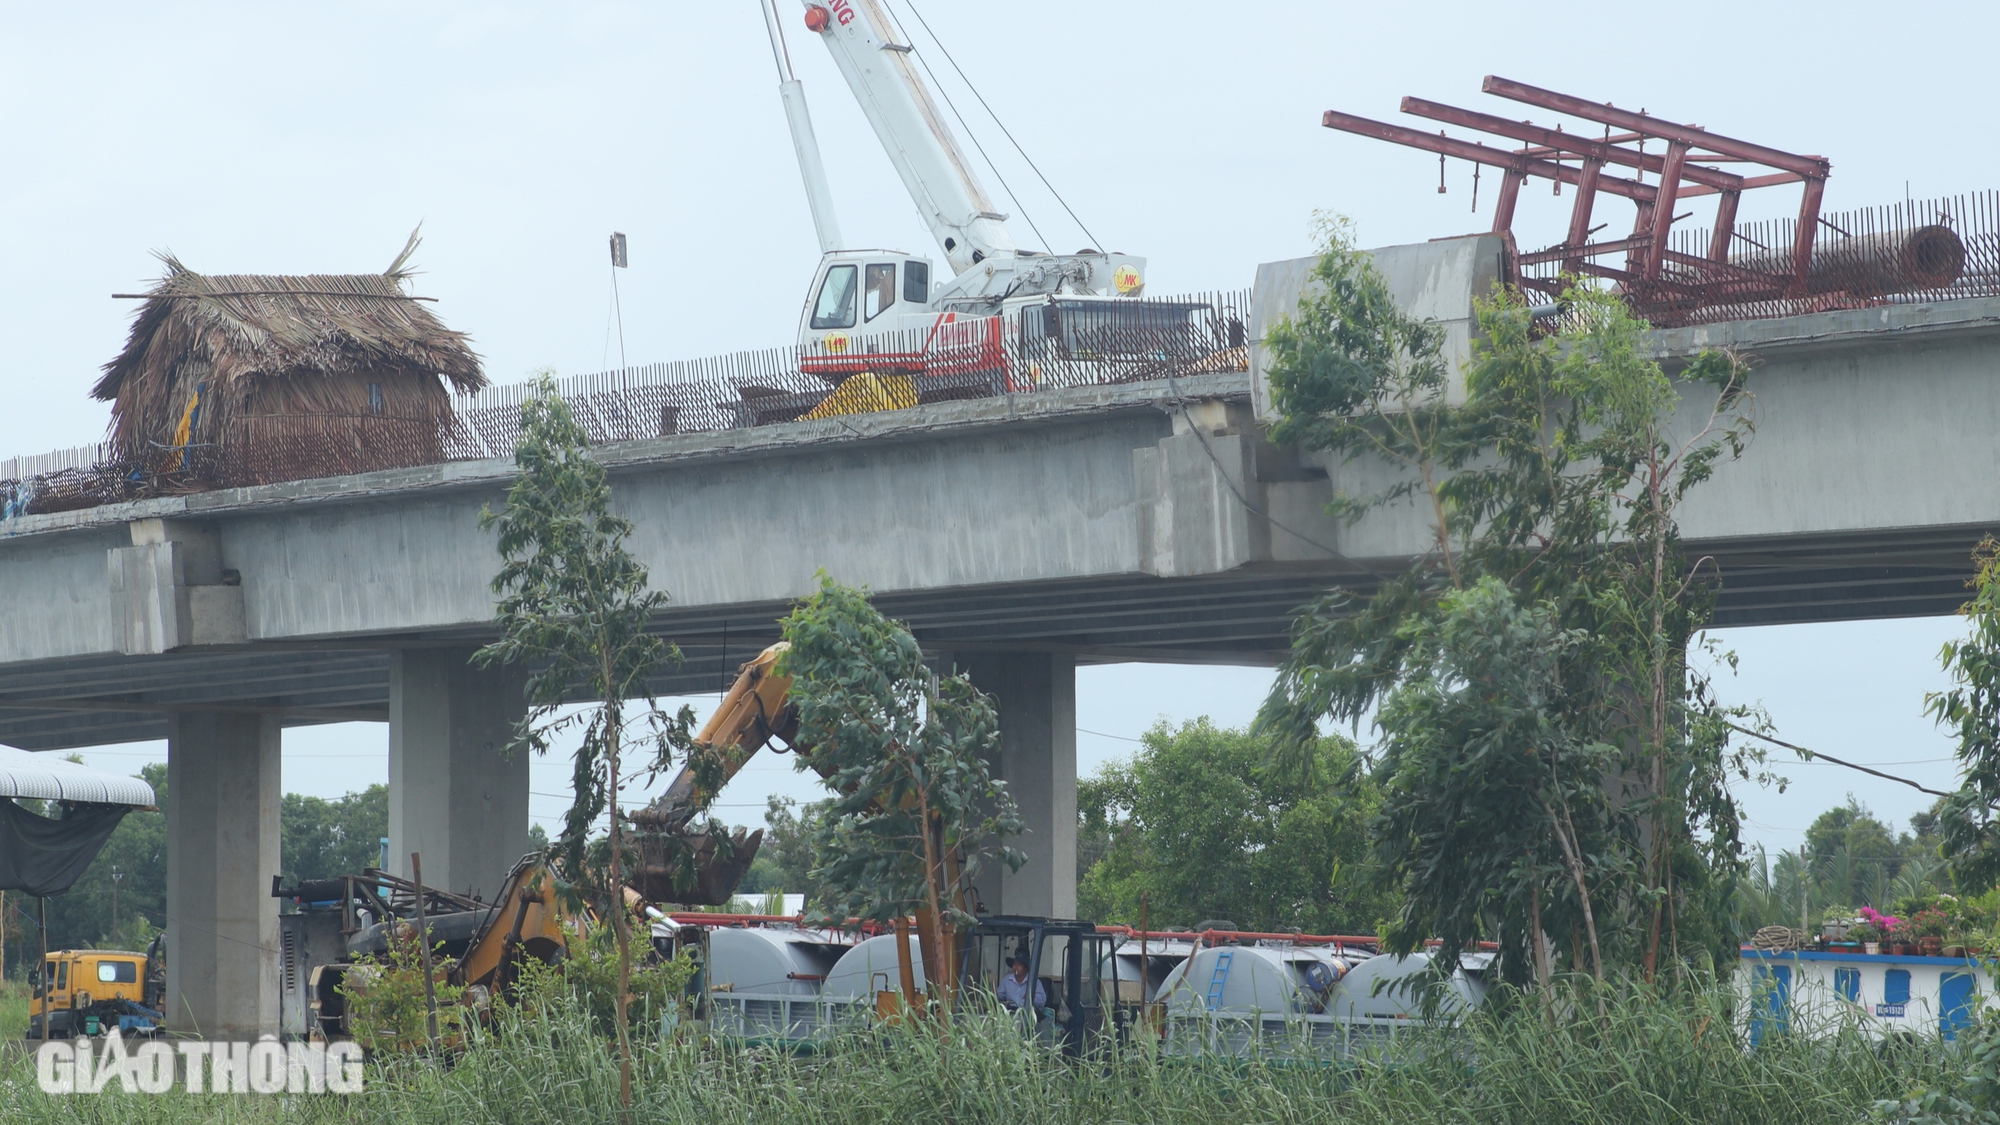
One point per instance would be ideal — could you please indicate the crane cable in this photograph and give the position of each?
(949, 104)
(1004, 131)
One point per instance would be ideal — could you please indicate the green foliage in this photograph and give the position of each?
(905, 751)
(1482, 770)
(588, 979)
(786, 861)
(575, 606)
(387, 1009)
(1967, 1093)
(1542, 642)
(321, 839)
(1971, 711)
(318, 839)
(1853, 857)
(1199, 824)
(82, 916)
(1653, 1060)
(1850, 860)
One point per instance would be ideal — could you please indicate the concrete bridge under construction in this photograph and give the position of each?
(1018, 536)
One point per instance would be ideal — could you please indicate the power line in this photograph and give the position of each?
(1181, 402)
(1101, 734)
(1811, 754)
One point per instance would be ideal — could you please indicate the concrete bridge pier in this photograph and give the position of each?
(455, 796)
(223, 790)
(1036, 695)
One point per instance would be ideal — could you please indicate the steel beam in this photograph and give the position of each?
(1557, 140)
(1478, 153)
(1811, 167)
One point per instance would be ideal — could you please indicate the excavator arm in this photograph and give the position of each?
(697, 868)
(694, 868)
(526, 919)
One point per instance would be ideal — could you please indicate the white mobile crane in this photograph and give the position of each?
(859, 294)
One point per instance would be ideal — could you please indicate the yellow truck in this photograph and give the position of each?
(89, 992)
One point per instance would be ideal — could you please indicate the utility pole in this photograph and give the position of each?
(1803, 928)
(117, 876)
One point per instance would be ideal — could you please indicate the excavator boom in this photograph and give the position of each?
(696, 868)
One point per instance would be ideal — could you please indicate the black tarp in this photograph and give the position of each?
(46, 857)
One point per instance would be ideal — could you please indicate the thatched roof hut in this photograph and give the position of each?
(254, 377)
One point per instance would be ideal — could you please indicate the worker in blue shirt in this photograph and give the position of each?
(1013, 990)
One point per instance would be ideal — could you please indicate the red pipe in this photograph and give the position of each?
(1213, 936)
(1209, 937)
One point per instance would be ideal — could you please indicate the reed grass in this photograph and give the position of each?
(1668, 1059)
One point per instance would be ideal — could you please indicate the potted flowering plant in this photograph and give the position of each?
(1890, 928)
(1866, 935)
(1929, 926)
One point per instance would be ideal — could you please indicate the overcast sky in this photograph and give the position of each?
(301, 139)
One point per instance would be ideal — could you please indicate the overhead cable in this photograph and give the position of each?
(974, 137)
(1814, 754)
(1004, 131)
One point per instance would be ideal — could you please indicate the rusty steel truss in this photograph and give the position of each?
(1667, 277)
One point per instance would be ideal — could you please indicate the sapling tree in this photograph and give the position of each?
(575, 606)
(1542, 639)
(917, 811)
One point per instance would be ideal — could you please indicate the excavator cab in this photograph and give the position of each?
(1069, 1003)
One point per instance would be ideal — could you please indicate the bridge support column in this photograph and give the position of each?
(455, 796)
(223, 791)
(1036, 694)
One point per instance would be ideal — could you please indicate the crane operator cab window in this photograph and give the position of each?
(917, 282)
(878, 290)
(835, 306)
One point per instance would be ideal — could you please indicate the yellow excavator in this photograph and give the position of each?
(1065, 956)
(487, 942)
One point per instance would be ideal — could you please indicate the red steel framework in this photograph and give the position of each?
(1655, 274)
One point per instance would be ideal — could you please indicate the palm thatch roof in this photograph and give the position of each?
(253, 337)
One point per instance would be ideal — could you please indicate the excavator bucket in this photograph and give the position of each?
(695, 869)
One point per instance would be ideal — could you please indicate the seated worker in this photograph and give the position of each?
(1013, 990)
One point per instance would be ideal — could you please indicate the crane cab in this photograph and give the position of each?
(860, 293)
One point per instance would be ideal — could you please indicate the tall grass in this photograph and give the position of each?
(1652, 1059)
(15, 1004)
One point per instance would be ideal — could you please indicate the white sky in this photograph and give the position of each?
(296, 139)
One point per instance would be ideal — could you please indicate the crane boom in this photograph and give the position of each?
(898, 106)
(805, 144)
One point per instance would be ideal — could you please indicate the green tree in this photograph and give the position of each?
(1853, 856)
(906, 753)
(786, 861)
(575, 606)
(81, 918)
(1200, 825)
(1548, 623)
(321, 839)
(1969, 834)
